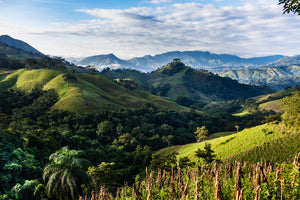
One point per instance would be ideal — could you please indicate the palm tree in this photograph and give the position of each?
(65, 174)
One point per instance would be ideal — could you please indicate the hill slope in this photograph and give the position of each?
(18, 44)
(237, 143)
(89, 93)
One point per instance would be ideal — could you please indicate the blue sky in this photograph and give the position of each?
(79, 28)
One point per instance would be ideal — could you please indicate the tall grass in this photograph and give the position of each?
(238, 181)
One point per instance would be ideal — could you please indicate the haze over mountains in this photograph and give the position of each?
(196, 59)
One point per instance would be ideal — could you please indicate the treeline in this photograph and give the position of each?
(31, 62)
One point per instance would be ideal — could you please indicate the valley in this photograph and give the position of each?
(176, 131)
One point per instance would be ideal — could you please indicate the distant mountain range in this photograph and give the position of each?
(276, 77)
(18, 44)
(286, 61)
(196, 59)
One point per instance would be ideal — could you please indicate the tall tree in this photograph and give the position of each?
(30, 63)
(207, 153)
(65, 174)
(201, 133)
(69, 78)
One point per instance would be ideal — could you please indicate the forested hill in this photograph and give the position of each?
(176, 80)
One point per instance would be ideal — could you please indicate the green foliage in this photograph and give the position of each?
(207, 153)
(127, 83)
(65, 174)
(25, 191)
(290, 6)
(201, 134)
(105, 175)
(291, 108)
(70, 78)
(163, 162)
(29, 63)
(185, 162)
(105, 130)
(168, 139)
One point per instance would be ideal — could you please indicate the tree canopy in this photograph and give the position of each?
(292, 6)
(65, 174)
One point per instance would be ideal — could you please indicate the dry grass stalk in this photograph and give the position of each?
(238, 182)
(217, 184)
(296, 162)
(197, 197)
(240, 195)
(282, 189)
(104, 195)
(257, 181)
(136, 193)
(172, 184)
(228, 170)
(185, 191)
(118, 194)
(278, 173)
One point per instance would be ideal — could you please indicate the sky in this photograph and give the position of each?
(134, 28)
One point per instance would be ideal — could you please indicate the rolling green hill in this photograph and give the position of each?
(88, 93)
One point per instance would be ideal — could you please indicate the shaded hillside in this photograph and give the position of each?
(12, 52)
(139, 77)
(277, 77)
(177, 80)
(18, 44)
(82, 92)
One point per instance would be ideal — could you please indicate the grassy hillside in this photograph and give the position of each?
(236, 143)
(88, 93)
(280, 150)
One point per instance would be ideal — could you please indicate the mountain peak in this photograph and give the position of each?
(18, 44)
(174, 67)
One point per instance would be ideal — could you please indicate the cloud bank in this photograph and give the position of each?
(252, 29)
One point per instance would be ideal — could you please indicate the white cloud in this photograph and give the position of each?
(160, 1)
(253, 29)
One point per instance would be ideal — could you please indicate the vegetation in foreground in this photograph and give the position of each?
(216, 181)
